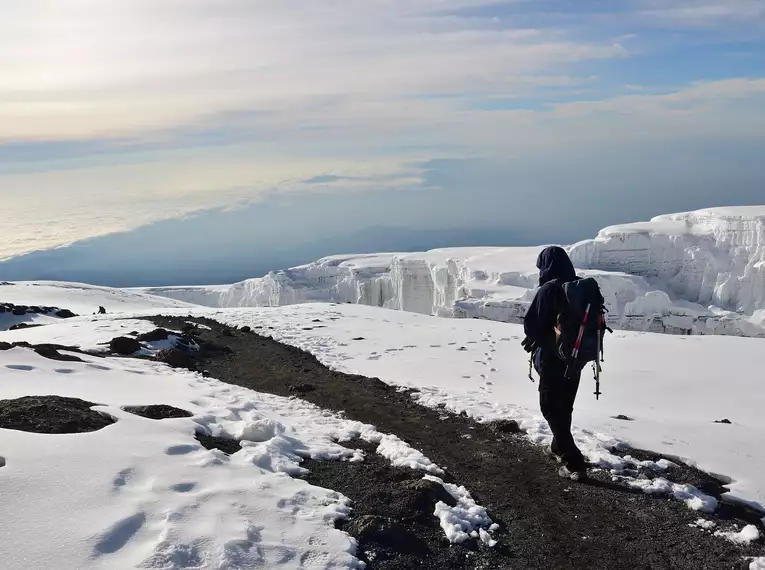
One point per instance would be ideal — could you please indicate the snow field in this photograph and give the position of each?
(672, 388)
(143, 493)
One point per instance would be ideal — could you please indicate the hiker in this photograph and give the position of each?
(558, 384)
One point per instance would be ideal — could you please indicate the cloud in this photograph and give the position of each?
(128, 67)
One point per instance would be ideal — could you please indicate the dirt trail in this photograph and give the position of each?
(547, 522)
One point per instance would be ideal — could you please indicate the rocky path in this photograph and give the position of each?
(546, 522)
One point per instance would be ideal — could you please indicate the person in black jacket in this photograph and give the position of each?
(557, 390)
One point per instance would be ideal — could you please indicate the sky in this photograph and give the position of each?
(271, 130)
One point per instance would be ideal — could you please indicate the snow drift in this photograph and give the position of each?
(693, 273)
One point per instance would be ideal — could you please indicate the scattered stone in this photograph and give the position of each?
(623, 417)
(213, 349)
(124, 345)
(381, 530)
(246, 329)
(358, 338)
(176, 358)
(51, 414)
(724, 421)
(462, 349)
(505, 426)
(158, 412)
(65, 314)
(37, 310)
(154, 336)
(227, 332)
(18, 311)
(228, 446)
(5, 345)
(301, 388)
(428, 493)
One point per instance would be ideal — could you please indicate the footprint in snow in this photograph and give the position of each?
(64, 371)
(97, 366)
(435, 346)
(375, 357)
(120, 534)
(20, 367)
(183, 487)
(180, 449)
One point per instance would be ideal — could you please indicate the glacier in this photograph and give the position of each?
(697, 272)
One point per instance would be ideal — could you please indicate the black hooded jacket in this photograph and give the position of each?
(539, 324)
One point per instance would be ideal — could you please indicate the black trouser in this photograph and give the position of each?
(556, 399)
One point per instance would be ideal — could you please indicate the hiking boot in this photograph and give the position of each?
(550, 453)
(579, 474)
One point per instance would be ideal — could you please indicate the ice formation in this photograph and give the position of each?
(692, 273)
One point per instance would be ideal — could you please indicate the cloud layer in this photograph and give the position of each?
(121, 113)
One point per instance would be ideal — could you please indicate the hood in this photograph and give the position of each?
(554, 263)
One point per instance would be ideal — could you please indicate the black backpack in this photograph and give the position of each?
(581, 324)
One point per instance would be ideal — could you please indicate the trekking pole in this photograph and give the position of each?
(578, 343)
(596, 367)
(531, 367)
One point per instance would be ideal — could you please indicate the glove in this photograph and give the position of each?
(528, 345)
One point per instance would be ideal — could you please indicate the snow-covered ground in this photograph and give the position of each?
(144, 493)
(673, 388)
(699, 273)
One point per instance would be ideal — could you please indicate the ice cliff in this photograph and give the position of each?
(692, 273)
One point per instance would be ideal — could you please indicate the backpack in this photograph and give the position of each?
(581, 324)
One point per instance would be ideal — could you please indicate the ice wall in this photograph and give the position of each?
(711, 257)
(691, 273)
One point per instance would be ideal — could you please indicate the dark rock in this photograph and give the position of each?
(37, 310)
(505, 426)
(358, 338)
(623, 417)
(316, 321)
(21, 326)
(51, 414)
(213, 349)
(188, 328)
(379, 529)
(462, 349)
(246, 329)
(158, 412)
(3, 309)
(176, 358)
(155, 335)
(725, 421)
(52, 352)
(5, 345)
(124, 345)
(428, 493)
(65, 314)
(301, 388)
(18, 311)
(227, 332)
(223, 444)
